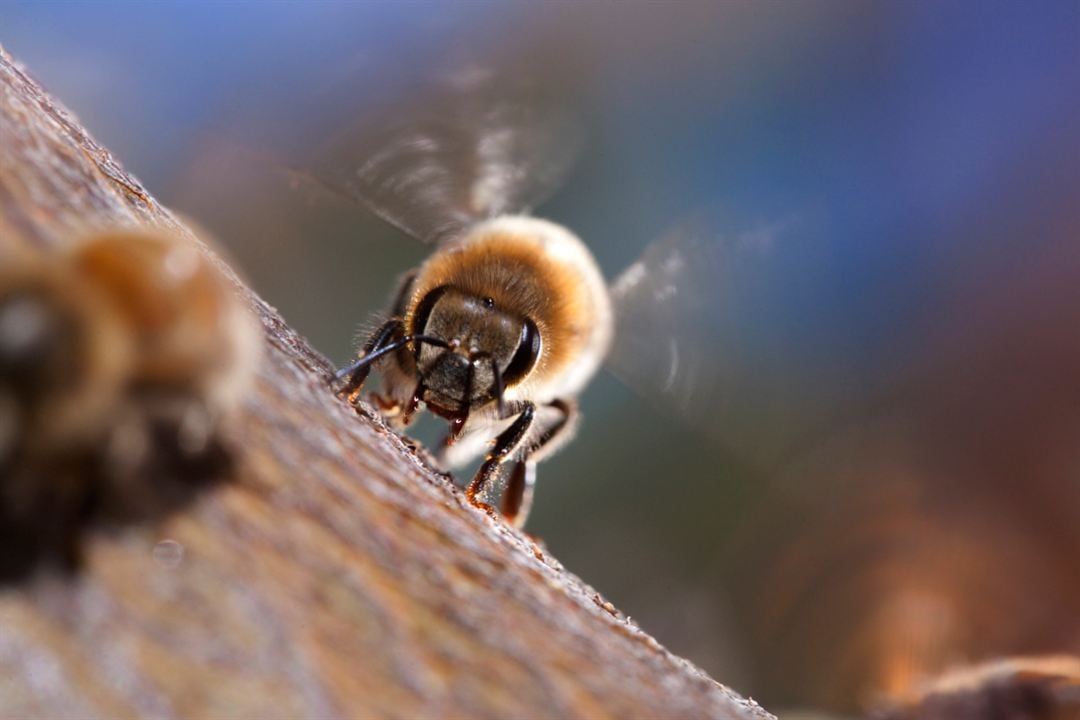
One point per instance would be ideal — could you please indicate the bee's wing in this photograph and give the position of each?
(721, 323)
(472, 145)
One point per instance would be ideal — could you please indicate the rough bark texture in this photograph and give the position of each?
(337, 575)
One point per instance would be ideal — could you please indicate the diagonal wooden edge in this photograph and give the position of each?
(338, 575)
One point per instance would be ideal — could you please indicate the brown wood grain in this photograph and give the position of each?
(337, 575)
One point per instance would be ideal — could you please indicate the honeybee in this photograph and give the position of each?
(500, 329)
(497, 332)
(1040, 688)
(505, 323)
(121, 362)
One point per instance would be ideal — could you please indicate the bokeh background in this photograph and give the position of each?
(930, 512)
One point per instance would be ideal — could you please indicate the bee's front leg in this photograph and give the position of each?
(505, 444)
(355, 374)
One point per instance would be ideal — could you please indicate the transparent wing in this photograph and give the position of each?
(472, 144)
(725, 322)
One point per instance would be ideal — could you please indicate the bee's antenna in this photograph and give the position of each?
(500, 388)
(470, 379)
(385, 350)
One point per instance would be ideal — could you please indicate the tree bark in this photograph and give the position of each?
(336, 575)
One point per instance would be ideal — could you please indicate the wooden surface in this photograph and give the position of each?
(337, 575)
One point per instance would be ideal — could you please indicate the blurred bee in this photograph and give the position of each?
(1025, 688)
(509, 318)
(121, 362)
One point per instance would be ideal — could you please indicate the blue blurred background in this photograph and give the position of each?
(936, 519)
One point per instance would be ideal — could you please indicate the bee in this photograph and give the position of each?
(498, 331)
(1038, 687)
(122, 361)
(501, 328)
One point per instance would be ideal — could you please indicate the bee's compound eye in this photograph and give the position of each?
(526, 355)
(489, 302)
(424, 308)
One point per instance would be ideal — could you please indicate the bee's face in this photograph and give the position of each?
(485, 344)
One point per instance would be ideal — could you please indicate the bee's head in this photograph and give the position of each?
(484, 348)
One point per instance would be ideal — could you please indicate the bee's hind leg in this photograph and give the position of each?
(517, 499)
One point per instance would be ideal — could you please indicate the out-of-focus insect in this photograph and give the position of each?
(121, 361)
(509, 318)
(1031, 688)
